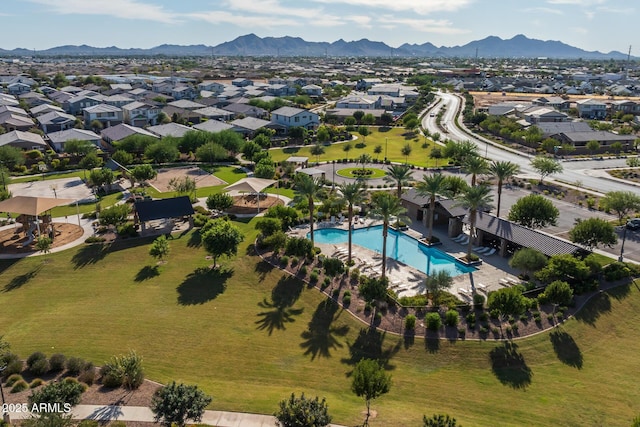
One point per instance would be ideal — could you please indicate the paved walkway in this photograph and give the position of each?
(144, 414)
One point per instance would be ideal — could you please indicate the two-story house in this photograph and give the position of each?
(140, 114)
(55, 121)
(106, 114)
(295, 117)
(75, 105)
(626, 106)
(591, 109)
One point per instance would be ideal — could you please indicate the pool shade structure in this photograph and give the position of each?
(251, 185)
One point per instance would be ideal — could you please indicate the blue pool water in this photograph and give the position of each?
(400, 247)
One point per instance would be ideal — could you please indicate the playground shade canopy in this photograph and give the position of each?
(31, 205)
(250, 185)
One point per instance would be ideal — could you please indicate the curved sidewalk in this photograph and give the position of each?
(144, 414)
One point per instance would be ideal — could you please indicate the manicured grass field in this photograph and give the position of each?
(250, 336)
(393, 138)
(349, 173)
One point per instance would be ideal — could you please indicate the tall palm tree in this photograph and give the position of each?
(475, 199)
(308, 189)
(352, 194)
(386, 206)
(400, 175)
(431, 186)
(503, 171)
(474, 166)
(456, 185)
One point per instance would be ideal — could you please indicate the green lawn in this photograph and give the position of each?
(349, 173)
(394, 139)
(38, 177)
(252, 335)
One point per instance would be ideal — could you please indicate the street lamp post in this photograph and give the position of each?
(386, 144)
(624, 237)
(333, 176)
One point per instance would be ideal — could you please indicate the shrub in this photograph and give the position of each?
(478, 301)
(88, 376)
(378, 317)
(326, 282)
(616, 271)
(335, 293)
(333, 266)
(433, 321)
(56, 362)
(303, 270)
(355, 274)
(39, 367)
(313, 277)
(18, 386)
(95, 239)
(59, 392)
(74, 365)
(299, 246)
(483, 317)
(127, 230)
(13, 378)
(471, 317)
(410, 322)
(484, 330)
(346, 299)
(284, 260)
(14, 364)
(36, 383)
(294, 261)
(451, 318)
(124, 370)
(111, 376)
(34, 357)
(89, 423)
(414, 301)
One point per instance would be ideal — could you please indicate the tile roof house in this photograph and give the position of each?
(186, 104)
(249, 125)
(76, 104)
(39, 110)
(591, 109)
(122, 131)
(246, 110)
(169, 129)
(295, 117)
(55, 121)
(213, 126)
(12, 121)
(6, 99)
(106, 114)
(58, 139)
(140, 114)
(23, 140)
(214, 113)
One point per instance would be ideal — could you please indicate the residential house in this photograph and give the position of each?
(119, 132)
(12, 121)
(55, 121)
(44, 109)
(23, 140)
(538, 114)
(106, 114)
(312, 90)
(33, 98)
(117, 100)
(249, 125)
(76, 104)
(186, 104)
(280, 90)
(360, 102)
(364, 84)
(6, 99)
(625, 106)
(184, 92)
(18, 88)
(556, 102)
(554, 129)
(604, 138)
(140, 114)
(170, 129)
(181, 115)
(211, 86)
(246, 110)
(140, 94)
(591, 109)
(213, 126)
(295, 117)
(59, 139)
(214, 113)
(242, 82)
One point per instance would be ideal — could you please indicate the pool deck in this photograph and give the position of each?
(494, 272)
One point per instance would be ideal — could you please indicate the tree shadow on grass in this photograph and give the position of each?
(89, 254)
(195, 239)
(147, 272)
(432, 342)
(283, 296)
(566, 348)
(598, 305)
(263, 268)
(369, 344)
(509, 366)
(22, 279)
(203, 285)
(408, 338)
(321, 337)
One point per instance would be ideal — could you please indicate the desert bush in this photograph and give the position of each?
(125, 370)
(333, 266)
(74, 365)
(56, 362)
(18, 386)
(410, 322)
(433, 321)
(37, 382)
(478, 301)
(13, 378)
(451, 318)
(38, 364)
(313, 277)
(58, 392)
(88, 374)
(14, 365)
(34, 357)
(346, 299)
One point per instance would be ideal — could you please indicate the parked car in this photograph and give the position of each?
(633, 224)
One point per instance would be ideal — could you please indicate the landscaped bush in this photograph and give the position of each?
(414, 301)
(74, 365)
(56, 362)
(616, 271)
(333, 266)
(276, 241)
(313, 277)
(95, 239)
(14, 364)
(326, 282)
(303, 270)
(88, 374)
(199, 220)
(451, 318)
(284, 261)
(37, 364)
(410, 322)
(478, 301)
(299, 246)
(59, 392)
(127, 230)
(18, 386)
(433, 321)
(346, 300)
(123, 370)
(36, 383)
(13, 378)
(355, 274)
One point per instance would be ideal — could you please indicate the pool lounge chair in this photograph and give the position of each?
(460, 238)
(464, 241)
(490, 252)
(482, 287)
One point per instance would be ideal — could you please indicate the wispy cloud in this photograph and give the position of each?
(544, 10)
(255, 21)
(422, 7)
(579, 30)
(577, 2)
(440, 26)
(622, 11)
(126, 9)
(271, 7)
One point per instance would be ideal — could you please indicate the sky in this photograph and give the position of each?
(602, 25)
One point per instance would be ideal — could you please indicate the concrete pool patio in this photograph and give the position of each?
(494, 272)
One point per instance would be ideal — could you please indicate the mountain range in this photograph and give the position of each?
(519, 46)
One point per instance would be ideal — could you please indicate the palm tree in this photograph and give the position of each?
(474, 166)
(400, 175)
(386, 206)
(352, 194)
(456, 185)
(475, 199)
(431, 186)
(308, 189)
(503, 171)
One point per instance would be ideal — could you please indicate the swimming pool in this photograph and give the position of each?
(400, 247)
